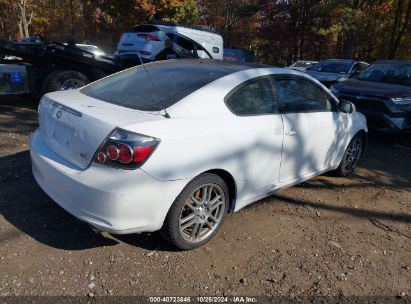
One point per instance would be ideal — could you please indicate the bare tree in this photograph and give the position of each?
(24, 23)
(399, 28)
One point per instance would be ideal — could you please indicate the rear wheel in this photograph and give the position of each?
(352, 156)
(64, 80)
(197, 213)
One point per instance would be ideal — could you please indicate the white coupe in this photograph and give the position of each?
(175, 145)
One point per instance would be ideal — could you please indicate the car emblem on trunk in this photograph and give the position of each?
(59, 114)
(361, 97)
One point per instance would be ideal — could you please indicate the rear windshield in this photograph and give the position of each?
(162, 85)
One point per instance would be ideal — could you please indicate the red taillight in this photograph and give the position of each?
(141, 153)
(149, 37)
(126, 154)
(145, 52)
(101, 157)
(113, 152)
(124, 149)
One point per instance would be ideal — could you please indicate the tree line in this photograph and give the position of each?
(277, 31)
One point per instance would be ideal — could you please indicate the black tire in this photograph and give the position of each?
(352, 156)
(171, 231)
(60, 81)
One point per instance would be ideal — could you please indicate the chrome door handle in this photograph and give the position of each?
(291, 133)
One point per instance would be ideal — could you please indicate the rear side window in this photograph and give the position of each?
(255, 97)
(301, 95)
(162, 85)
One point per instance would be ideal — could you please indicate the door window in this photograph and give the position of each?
(255, 97)
(301, 95)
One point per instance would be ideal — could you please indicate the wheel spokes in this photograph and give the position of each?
(188, 224)
(202, 213)
(213, 218)
(195, 200)
(195, 231)
(353, 154)
(187, 218)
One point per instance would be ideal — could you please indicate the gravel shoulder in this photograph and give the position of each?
(328, 236)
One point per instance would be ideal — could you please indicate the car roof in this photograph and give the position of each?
(341, 60)
(211, 65)
(236, 66)
(392, 61)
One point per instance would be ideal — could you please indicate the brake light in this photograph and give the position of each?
(141, 153)
(145, 53)
(113, 152)
(101, 157)
(126, 154)
(125, 149)
(149, 37)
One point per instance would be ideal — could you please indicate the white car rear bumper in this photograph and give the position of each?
(112, 200)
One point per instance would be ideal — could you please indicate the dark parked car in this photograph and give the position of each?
(302, 65)
(382, 93)
(238, 55)
(331, 71)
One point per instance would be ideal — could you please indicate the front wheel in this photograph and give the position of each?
(352, 156)
(197, 213)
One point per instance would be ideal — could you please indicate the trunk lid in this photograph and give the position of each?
(74, 125)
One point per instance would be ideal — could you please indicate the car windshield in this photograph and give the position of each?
(340, 67)
(164, 84)
(395, 73)
(302, 64)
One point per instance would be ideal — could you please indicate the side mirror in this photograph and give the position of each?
(346, 107)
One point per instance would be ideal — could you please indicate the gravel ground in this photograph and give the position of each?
(329, 236)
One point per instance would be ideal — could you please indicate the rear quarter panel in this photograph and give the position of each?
(245, 148)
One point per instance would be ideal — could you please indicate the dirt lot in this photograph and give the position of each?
(328, 236)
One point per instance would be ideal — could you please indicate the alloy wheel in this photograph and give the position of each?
(202, 213)
(353, 154)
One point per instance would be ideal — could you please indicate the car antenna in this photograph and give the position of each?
(165, 115)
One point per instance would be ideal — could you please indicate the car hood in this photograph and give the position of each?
(326, 76)
(379, 89)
